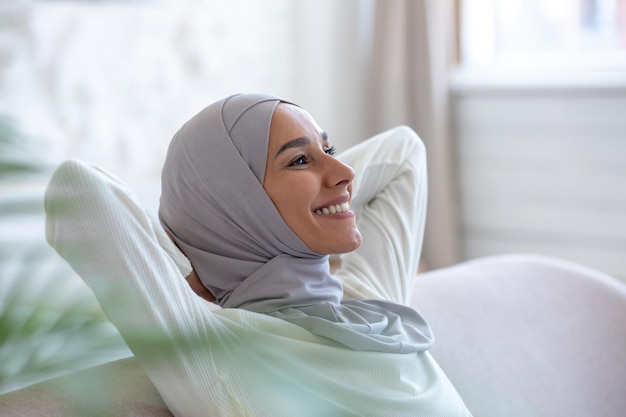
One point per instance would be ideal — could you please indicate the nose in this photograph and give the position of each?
(337, 173)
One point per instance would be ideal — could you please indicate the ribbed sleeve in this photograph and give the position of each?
(390, 196)
(94, 222)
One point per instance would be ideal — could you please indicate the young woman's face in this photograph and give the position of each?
(310, 188)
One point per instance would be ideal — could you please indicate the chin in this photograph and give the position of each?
(335, 243)
(348, 246)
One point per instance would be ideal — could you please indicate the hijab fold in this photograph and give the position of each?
(215, 208)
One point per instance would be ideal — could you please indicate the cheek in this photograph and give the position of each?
(293, 199)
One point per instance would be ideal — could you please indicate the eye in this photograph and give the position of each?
(330, 151)
(300, 160)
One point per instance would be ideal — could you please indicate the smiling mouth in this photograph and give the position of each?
(334, 209)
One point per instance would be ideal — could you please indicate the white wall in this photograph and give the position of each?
(330, 50)
(543, 170)
(110, 82)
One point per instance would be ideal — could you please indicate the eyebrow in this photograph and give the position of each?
(297, 142)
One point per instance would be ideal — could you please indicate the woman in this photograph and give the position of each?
(254, 198)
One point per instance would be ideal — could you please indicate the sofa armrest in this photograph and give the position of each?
(119, 388)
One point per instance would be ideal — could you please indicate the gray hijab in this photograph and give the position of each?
(215, 208)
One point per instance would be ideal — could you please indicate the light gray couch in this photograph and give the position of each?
(519, 335)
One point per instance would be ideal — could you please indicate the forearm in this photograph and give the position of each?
(390, 195)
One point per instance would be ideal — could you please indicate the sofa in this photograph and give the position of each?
(518, 335)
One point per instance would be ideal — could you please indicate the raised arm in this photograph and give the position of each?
(95, 223)
(389, 198)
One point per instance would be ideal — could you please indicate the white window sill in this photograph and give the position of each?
(503, 80)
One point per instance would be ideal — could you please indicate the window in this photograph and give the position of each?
(540, 34)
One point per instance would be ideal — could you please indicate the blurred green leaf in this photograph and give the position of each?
(20, 154)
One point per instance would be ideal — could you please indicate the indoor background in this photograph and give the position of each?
(520, 103)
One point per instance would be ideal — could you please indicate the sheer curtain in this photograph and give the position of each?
(411, 50)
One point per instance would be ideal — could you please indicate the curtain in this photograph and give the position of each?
(412, 48)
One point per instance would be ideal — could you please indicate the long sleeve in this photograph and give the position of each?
(389, 199)
(95, 223)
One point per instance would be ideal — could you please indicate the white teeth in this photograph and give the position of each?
(333, 209)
